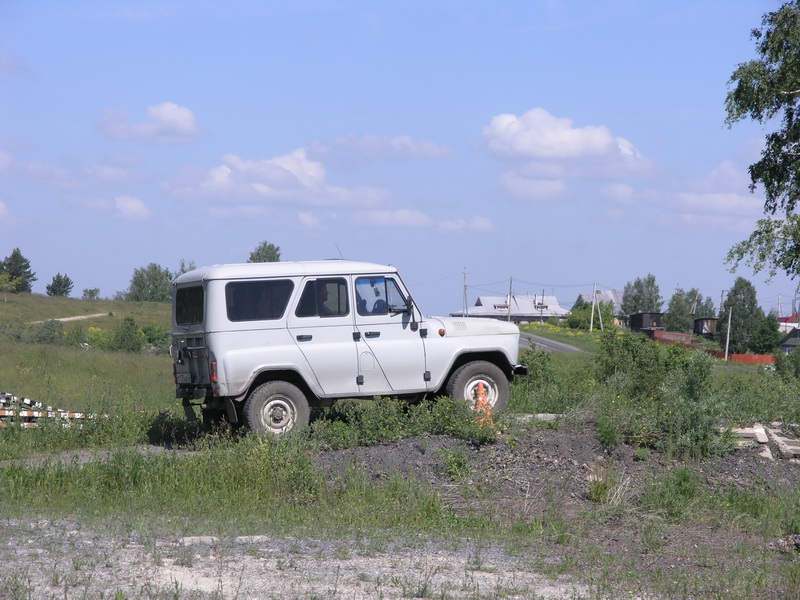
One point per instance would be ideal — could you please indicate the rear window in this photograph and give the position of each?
(189, 303)
(257, 300)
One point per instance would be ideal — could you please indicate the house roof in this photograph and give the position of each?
(613, 296)
(536, 306)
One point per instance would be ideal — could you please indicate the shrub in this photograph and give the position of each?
(127, 337)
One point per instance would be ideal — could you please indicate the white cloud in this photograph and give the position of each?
(291, 178)
(402, 217)
(532, 189)
(166, 123)
(475, 224)
(619, 192)
(308, 219)
(538, 134)
(131, 208)
(5, 214)
(374, 147)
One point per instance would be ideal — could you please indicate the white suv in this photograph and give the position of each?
(262, 342)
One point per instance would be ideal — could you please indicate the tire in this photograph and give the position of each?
(463, 384)
(276, 408)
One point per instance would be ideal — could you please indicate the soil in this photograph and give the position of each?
(573, 547)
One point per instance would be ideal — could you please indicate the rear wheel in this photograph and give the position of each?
(464, 384)
(276, 407)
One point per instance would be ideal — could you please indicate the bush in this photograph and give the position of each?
(127, 337)
(353, 422)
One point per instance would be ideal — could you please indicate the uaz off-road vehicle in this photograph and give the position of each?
(262, 342)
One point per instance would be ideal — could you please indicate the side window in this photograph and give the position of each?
(257, 300)
(324, 298)
(378, 296)
(189, 303)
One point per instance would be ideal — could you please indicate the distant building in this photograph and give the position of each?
(613, 296)
(523, 309)
(705, 327)
(790, 342)
(642, 321)
(787, 324)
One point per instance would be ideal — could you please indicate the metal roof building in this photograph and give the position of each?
(613, 296)
(522, 309)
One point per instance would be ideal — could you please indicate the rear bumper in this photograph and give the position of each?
(520, 370)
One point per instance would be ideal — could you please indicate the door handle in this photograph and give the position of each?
(372, 334)
(304, 338)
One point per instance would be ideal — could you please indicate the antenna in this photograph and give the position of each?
(339, 251)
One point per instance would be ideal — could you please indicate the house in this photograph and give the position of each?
(640, 321)
(705, 327)
(790, 342)
(613, 296)
(523, 309)
(787, 324)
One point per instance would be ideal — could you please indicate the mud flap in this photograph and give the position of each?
(188, 410)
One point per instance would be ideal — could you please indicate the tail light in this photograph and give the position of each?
(213, 371)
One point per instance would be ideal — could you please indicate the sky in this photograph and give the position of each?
(536, 145)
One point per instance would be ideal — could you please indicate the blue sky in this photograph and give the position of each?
(554, 143)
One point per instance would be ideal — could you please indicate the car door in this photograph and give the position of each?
(390, 341)
(321, 325)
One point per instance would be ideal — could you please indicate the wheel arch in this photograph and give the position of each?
(288, 375)
(495, 357)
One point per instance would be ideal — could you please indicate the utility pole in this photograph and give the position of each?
(728, 333)
(510, 287)
(594, 297)
(464, 300)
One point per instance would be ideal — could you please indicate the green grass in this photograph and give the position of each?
(30, 308)
(87, 380)
(588, 342)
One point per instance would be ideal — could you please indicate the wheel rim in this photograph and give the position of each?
(278, 415)
(489, 390)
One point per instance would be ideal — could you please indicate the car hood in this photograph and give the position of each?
(469, 326)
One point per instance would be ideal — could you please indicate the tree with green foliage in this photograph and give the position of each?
(19, 270)
(91, 293)
(641, 295)
(766, 336)
(152, 283)
(7, 284)
(748, 331)
(60, 286)
(265, 252)
(127, 337)
(580, 316)
(684, 307)
(767, 90)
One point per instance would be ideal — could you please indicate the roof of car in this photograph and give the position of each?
(284, 269)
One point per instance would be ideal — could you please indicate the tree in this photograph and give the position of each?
(766, 336)
(684, 307)
(265, 252)
(580, 317)
(19, 270)
(767, 90)
(641, 295)
(150, 284)
(60, 286)
(91, 293)
(7, 284)
(746, 317)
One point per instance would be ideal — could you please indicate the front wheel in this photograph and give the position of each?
(276, 407)
(464, 385)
